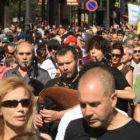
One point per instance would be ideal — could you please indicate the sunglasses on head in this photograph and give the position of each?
(14, 103)
(116, 55)
(136, 51)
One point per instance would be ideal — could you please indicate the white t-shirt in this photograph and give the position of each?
(66, 119)
(49, 66)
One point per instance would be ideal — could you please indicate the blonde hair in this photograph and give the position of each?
(9, 84)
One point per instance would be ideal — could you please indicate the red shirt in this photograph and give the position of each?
(3, 69)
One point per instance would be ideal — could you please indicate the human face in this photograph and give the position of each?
(24, 55)
(136, 54)
(15, 117)
(120, 37)
(136, 39)
(96, 55)
(83, 44)
(116, 57)
(96, 106)
(72, 43)
(13, 28)
(67, 65)
(126, 56)
(52, 50)
(4, 44)
(114, 37)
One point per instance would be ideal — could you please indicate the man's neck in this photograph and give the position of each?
(69, 81)
(23, 72)
(117, 120)
(136, 61)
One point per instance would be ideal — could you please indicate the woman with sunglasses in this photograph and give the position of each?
(116, 56)
(17, 108)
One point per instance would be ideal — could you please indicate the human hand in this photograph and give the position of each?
(50, 115)
(38, 121)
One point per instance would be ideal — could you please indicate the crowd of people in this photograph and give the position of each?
(102, 67)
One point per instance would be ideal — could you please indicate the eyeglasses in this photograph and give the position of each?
(136, 51)
(116, 55)
(14, 103)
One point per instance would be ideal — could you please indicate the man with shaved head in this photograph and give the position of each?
(100, 121)
(27, 67)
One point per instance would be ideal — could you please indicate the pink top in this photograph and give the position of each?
(3, 69)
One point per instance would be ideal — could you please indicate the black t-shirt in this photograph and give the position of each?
(121, 83)
(79, 130)
(58, 81)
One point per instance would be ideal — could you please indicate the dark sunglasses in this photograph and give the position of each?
(116, 55)
(14, 103)
(136, 51)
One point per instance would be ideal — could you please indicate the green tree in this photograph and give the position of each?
(18, 7)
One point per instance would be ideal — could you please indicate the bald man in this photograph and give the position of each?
(26, 67)
(97, 97)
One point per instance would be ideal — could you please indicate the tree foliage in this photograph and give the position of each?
(19, 6)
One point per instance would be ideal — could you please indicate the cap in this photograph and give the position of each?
(69, 39)
(22, 35)
(5, 39)
(40, 42)
(53, 42)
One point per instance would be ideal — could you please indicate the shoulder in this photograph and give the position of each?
(77, 130)
(42, 70)
(132, 129)
(46, 61)
(66, 119)
(71, 115)
(10, 72)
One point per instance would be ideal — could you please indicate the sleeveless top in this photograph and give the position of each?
(126, 69)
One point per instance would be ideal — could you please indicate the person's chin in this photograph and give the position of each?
(23, 68)
(94, 124)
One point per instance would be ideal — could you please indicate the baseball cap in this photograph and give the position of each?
(69, 39)
(5, 39)
(40, 42)
(22, 35)
(53, 42)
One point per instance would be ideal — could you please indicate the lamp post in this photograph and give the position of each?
(107, 16)
(27, 15)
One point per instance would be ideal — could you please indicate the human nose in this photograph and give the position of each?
(19, 107)
(88, 111)
(65, 67)
(24, 56)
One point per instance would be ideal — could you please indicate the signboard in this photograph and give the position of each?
(72, 2)
(91, 5)
(133, 13)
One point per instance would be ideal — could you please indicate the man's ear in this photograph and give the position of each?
(114, 99)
